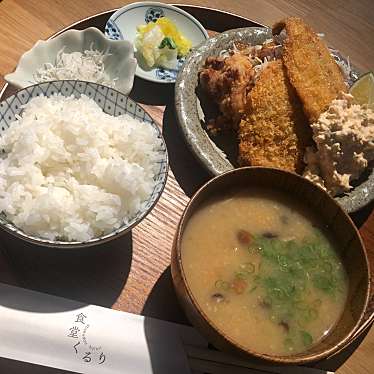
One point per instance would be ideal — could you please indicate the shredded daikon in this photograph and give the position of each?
(87, 66)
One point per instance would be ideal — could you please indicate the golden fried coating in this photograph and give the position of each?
(310, 68)
(275, 131)
(226, 82)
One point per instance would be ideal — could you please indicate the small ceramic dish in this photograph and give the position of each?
(112, 102)
(348, 242)
(123, 23)
(120, 63)
(219, 154)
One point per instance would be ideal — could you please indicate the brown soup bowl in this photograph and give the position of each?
(349, 244)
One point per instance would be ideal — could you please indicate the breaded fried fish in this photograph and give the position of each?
(275, 131)
(310, 68)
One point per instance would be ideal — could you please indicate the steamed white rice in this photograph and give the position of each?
(72, 172)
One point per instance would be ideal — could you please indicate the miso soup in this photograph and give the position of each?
(264, 271)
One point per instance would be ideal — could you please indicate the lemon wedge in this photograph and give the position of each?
(363, 90)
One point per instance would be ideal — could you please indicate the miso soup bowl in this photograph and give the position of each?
(349, 244)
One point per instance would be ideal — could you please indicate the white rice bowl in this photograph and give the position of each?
(72, 172)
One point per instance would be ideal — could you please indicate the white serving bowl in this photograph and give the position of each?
(120, 64)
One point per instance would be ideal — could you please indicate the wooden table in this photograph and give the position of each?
(133, 273)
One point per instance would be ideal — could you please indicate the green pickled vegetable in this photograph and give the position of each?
(167, 42)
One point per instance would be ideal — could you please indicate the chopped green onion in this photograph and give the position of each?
(300, 305)
(327, 267)
(290, 290)
(286, 278)
(242, 274)
(278, 293)
(306, 338)
(282, 261)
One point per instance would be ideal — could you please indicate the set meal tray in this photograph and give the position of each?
(132, 274)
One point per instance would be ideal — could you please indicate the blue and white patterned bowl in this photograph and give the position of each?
(123, 23)
(113, 103)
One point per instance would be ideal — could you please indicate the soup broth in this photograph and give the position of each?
(264, 272)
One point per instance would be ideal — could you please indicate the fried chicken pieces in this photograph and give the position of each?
(226, 81)
(310, 68)
(274, 102)
(275, 131)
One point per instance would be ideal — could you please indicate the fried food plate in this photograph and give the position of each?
(220, 153)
